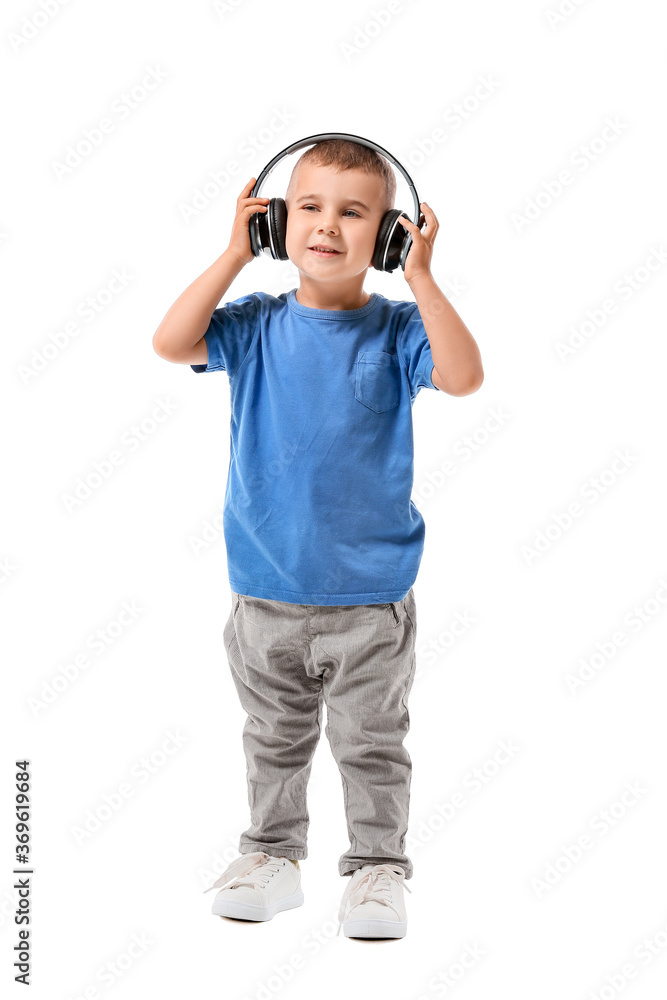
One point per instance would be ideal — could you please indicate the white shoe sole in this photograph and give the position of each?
(375, 928)
(251, 911)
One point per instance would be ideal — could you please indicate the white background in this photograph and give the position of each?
(486, 104)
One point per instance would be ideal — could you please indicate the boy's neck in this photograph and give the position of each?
(316, 297)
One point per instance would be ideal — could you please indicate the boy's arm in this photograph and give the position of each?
(457, 362)
(180, 335)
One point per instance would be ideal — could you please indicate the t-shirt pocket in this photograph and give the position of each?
(378, 380)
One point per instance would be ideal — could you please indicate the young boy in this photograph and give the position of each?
(323, 541)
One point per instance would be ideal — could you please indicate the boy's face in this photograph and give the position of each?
(323, 209)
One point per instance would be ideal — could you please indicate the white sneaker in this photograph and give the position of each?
(373, 904)
(256, 887)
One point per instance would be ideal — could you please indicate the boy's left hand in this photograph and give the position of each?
(419, 256)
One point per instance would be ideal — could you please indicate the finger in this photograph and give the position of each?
(425, 210)
(415, 231)
(249, 186)
(429, 212)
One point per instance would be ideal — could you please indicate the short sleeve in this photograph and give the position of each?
(414, 347)
(230, 333)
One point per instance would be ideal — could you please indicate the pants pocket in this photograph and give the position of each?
(395, 620)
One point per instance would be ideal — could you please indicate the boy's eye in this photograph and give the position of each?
(346, 210)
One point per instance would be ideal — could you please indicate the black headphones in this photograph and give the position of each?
(267, 229)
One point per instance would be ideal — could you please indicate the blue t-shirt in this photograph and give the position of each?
(317, 506)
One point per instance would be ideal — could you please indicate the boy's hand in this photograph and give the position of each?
(239, 244)
(419, 256)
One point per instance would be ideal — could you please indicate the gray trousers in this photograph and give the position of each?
(286, 659)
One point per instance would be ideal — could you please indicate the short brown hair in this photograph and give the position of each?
(348, 155)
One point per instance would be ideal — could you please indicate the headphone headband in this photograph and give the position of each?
(311, 139)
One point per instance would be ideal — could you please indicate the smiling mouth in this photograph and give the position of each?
(324, 251)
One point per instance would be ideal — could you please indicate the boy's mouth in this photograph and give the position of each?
(321, 250)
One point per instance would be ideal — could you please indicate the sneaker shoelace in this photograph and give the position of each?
(375, 885)
(249, 869)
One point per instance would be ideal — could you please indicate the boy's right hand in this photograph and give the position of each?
(239, 244)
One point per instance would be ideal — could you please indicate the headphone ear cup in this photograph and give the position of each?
(381, 241)
(267, 230)
(277, 221)
(390, 240)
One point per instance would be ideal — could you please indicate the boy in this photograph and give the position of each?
(323, 542)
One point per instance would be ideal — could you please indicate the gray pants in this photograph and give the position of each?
(286, 659)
